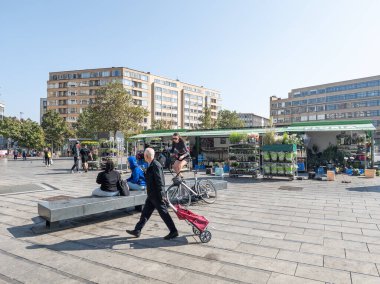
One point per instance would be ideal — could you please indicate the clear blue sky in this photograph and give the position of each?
(247, 49)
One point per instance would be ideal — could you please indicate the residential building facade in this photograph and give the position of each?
(346, 100)
(2, 110)
(43, 108)
(253, 120)
(181, 104)
(3, 140)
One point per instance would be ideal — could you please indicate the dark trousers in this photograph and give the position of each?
(47, 161)
(76, 164)
(150, 205)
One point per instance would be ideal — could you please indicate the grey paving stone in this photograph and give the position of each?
(257, 250)
(361, 238)
(343, 229)
(323, 274)
(374, 248)
(307, 225)
(322, 250)
(360, 225)
(332, 243)
(371, 233)
(364, 279)
(247, 275)
(363, 256)
(304, 238)
(325, 222)
(322, 233)
(281, 244)
(351, 265)
(300, 257)
(277, 278)
(287, 229)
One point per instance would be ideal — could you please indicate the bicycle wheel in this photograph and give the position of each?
(178, 195)
(207, 191)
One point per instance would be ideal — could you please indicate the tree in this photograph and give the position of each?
(161, 124)
(85, 127)
(32, 135)
(114, 110)
(207, 122)
(55, 128)
(10, 127)
(228, 119)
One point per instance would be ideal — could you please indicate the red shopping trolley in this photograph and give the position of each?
(197, 222)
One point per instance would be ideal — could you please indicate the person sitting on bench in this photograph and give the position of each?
(108, 180)
(137, 179)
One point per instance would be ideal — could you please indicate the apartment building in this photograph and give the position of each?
(346, 100)
(43, 108)
(180, 103)
(253, 120)
(3, 140)
(2, 110)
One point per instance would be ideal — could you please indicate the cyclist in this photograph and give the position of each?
(181, 152)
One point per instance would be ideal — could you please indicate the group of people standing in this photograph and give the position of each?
(82, 153)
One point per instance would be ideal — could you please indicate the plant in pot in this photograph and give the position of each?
(234, 164)
(269, 137)
(237, 138)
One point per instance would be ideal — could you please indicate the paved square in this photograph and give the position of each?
(263, 232)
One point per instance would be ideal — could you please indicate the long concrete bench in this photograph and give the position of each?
(60, 208)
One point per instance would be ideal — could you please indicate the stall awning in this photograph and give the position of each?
(323, 126)
(205, 133)
(327, 126)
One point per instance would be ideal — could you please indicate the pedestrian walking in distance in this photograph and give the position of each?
(155, 183)
(75, 152)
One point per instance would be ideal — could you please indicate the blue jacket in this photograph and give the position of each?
(137, 176)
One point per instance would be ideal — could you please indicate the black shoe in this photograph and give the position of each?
(171, 235)
(134, 233)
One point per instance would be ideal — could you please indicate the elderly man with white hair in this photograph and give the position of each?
(155, 186)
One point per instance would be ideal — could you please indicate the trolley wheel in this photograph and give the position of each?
(196, 231)
(205, 236)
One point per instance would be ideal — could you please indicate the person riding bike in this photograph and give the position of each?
(181, 152)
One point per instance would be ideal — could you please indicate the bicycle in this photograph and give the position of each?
(179, 193)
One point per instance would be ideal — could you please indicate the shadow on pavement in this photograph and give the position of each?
(365, 189)
(39, 228)
(111, 242)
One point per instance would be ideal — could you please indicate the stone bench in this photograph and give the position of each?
(61, 208)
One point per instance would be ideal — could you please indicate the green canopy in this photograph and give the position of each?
(317, 126)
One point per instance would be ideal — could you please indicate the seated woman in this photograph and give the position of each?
(137, 179)
(108, 180)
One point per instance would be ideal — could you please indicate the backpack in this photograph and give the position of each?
(74, 150)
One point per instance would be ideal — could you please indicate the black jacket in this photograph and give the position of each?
(108, 180)
(155, 180)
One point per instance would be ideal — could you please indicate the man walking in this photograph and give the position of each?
(155, 183)
(75, 151)
(84, 153)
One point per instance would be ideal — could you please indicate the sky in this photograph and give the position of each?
(249, 50)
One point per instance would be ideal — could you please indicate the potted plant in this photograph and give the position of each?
(237, 138)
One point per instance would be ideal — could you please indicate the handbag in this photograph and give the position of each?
(122, 187)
